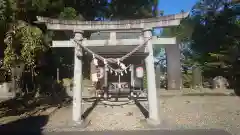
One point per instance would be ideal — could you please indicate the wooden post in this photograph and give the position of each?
(132, 76)
(58, 74)
(173, 67)
(196, 77)
(105, 75)
(77, 90)
(151, 82)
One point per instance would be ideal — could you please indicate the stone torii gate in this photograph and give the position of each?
(144, 25)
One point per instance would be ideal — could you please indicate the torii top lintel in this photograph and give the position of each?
(162, 21)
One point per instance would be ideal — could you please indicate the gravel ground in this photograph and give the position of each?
(126, 117)
(178, 112)
(202, 112)
(116, 118)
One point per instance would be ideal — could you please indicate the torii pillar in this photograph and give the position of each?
(77, 88)
(153, 101)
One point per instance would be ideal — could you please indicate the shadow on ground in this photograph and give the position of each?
(19, 106)
(151, 132)
(142, 109)
(34, 125)
(90, 109)
(51, 94)
(26, 126)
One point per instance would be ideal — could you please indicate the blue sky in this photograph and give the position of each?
(175, 6)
